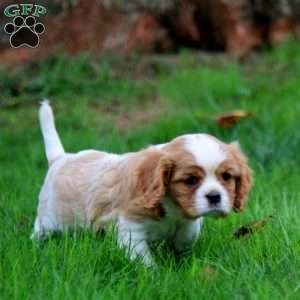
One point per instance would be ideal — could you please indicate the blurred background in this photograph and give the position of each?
(136, 62)
(119, 26)
(126, 65)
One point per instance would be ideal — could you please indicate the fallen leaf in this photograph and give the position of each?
(251, 227)
(230, 119)
(207, 273)
(22, 224)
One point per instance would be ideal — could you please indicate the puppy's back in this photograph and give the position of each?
(70, 184)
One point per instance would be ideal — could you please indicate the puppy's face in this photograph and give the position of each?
(205, 176)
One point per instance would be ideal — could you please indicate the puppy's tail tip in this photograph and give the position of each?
(53, 145)
(45, 101)
(45, 109)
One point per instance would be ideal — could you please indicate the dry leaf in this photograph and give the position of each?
(251, 227)
(22, 224)
(207, 273)
(230, 119)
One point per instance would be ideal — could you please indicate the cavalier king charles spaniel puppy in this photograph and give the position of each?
(159, 193)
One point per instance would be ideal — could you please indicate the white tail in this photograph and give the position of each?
(53, 145)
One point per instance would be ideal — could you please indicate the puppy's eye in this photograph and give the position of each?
(192, 180)
(226, 176)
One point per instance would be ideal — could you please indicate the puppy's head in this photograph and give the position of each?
(200, 174)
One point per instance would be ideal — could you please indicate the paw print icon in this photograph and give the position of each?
(24, 32)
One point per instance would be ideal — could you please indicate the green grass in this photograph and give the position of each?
(123, 104)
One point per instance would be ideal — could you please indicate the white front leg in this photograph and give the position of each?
(186, 235)
(132, 237)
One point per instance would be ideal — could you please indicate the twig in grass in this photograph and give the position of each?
(251, 227)
(16, 104)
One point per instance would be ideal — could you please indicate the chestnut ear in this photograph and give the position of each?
(244, 180)
(153, 174)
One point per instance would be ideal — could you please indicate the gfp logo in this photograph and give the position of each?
(24, 30)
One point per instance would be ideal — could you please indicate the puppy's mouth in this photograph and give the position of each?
(215, 213)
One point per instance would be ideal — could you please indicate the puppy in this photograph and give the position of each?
(159, 193)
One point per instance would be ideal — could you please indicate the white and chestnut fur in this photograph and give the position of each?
(159, 193)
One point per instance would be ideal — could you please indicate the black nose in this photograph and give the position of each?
(213, 197)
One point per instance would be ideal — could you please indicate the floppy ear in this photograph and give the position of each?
(153, 174)
(244, 180)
